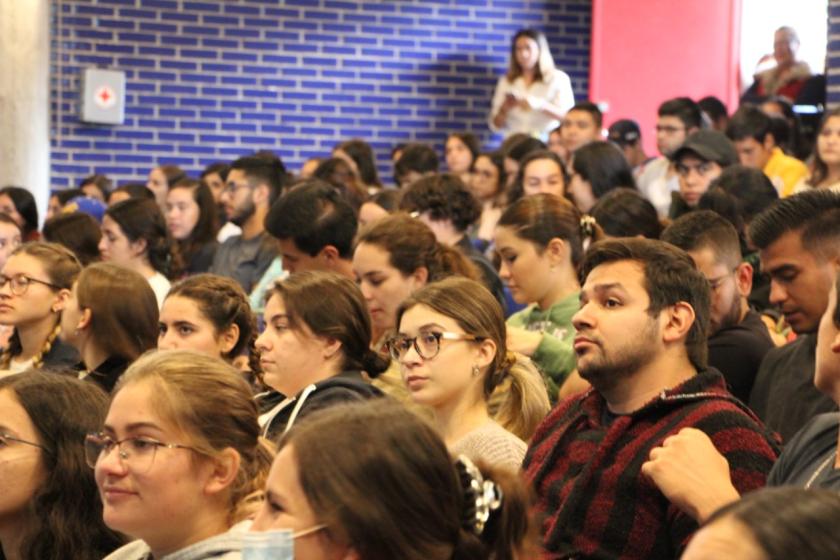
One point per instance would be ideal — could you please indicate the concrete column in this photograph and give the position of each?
(24, 97)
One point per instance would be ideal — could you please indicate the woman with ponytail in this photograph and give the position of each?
(397, 494)
(452, 351)
(315, 350)
(35, 285)
(541, 240)
(134, 235)
(394, 257)
(179, 460)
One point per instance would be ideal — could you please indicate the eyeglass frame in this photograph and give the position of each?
(717, 282)
(11, 280)
(438, 335)
(232, 188)
(122, 455)
(5, 436)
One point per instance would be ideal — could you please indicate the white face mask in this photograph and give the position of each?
(277, 544)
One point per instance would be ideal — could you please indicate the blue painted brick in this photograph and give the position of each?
(202, 6)
(219, 43)
(176, 137)
(113, 23)
(181, 16)
(178, 40)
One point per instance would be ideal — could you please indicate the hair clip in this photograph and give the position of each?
(587, 225)
(482, 497)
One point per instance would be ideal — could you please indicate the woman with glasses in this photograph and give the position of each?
(134, 235)
(398, 494)
(35, 284)
(179, 460)
(109, 332)
(49, 506)
(451, 347)
(315, 350)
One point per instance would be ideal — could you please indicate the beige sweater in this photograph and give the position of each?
(493, 445)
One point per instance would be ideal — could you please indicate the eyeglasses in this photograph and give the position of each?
(232, 188)
(426, 344)
(716, 283)
(137, 453)
(701, 168)
(6, 438)
(19, 283)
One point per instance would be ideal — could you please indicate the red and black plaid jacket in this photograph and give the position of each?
(591, 495)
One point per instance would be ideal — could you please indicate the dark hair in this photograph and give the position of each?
(6, 219)
(101, 182)
(411, 245)
(836, 317)
(343, 316)
(604, 167)
(444, 197)
(221, 168)
(789, 522)
(125, 323)
(340, 175)
(142, 219)
(66, 511)
(134, 190)
(206, 227)
(543, 217)
(670, 277)
(727, 207)
(224, 303)
(77, 231)
(362, 496)
(313, 215)
(66, 195)
(815, 214)
(419, 158)
(361, 153)
(626, 213)
(593, 110)
(387, 199)
(25, 205)
(497, 158)
(545, 62)
(819, 169)
(684, 109)
(703, 229)
(713, 107)
(522, 148)
(263, 169)
(469, 140)
(517, 189)
(749, 122)
(173, 174)
(751, 187)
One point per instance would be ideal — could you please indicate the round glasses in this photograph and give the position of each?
(426, 344)
(137, 453)
(19, 283)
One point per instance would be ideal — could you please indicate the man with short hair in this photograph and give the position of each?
(641, 343)
(698, 162)
(416, 161)
(253, 183)
(677, 118)
(751, 129)
(625, 134)
(581, 125)
(798, 240)
(315, 228)
(738, 339)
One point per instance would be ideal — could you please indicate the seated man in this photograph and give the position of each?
(699, 161)
(641, 343)
(752, 132)
(316, 227)
(581, 125)
(626, 134)
(738, 339)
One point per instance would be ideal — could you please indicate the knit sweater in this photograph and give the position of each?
(493, 445)
(585, 467)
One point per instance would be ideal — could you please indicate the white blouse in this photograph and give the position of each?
(555, 89)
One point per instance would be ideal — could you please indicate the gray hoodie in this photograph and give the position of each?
(226, 546)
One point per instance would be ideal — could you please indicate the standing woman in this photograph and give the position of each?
(540, 240)
(192, 219)
(19, 204)
(534, 95)
(134, 236)
(161, 179)
(452, 352)
(179, 460)
(109, 332)
(35, 284)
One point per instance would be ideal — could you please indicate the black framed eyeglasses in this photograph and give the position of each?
(6, 438)
(426, 344)
(19, 283)
(137, 453)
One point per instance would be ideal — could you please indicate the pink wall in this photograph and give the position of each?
(647, 51)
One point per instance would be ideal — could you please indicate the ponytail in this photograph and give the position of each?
(449, 261)
(374, 364)
(590, 231)
(248, 492)
(520, 401)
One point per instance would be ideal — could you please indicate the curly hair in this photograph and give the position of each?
(444, 197)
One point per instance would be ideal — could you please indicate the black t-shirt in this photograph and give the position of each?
(737, 352)
(783, 394)
(810, 454)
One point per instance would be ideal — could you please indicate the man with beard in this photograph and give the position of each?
(641, 343)
(252, 185)
(738, 339)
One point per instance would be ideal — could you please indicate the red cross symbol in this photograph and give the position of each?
(105, 97)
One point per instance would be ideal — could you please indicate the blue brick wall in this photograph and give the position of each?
(211, 80)
(833, 55)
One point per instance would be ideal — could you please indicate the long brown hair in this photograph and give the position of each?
(545, 64)
(398, 494)
(210, 402)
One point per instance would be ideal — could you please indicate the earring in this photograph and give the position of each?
(475, 371)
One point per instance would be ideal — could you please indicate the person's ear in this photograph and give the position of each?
(261, 194)
(229, 338)
(138, 247)
(420, 276)
(331, 347)
(769, 141)
(84, 320)
(557, 252)
(744, 278)
(60, 301)
(330, 254)
(486, 353)
(679, 319)
(224, 469)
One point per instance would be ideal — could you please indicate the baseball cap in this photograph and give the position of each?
(624, 131)
(709, 145)
(86, 204)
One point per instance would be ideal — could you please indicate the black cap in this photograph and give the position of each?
(708, 145)
(624, 132)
